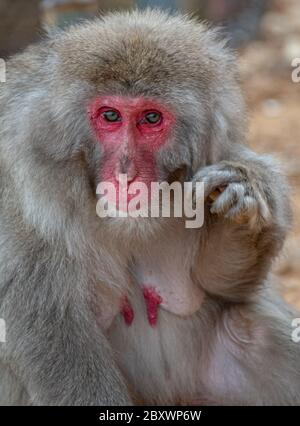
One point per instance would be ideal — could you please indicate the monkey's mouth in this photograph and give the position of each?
(139, 196)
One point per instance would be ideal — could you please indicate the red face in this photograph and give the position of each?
(130, 130)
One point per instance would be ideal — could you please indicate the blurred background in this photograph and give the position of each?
(266, 34)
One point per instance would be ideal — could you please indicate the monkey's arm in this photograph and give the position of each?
(254, 358)
(246, 223)
(54, 342)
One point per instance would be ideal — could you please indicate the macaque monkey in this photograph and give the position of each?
(124, 310)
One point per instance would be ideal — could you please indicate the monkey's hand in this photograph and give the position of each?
(247, 216)
(242, 192)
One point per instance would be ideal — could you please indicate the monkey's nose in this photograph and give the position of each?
(131, 172)
(126, 167)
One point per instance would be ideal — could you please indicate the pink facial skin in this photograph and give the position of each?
(131, 143)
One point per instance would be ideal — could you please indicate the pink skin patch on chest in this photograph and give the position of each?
(153, 300)
(127, 311)
(130, 140)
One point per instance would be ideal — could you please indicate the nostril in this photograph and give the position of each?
(131, 173)
(126, 169)
(124, 164)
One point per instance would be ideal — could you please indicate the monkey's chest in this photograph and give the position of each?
(167, 284)
(162, 277)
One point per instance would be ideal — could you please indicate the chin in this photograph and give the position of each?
(135, 229)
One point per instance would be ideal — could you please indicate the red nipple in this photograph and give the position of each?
(127, 311)
(153, 300)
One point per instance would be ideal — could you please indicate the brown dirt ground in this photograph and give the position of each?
(274, 124)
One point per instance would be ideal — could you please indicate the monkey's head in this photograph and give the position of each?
(144, 94)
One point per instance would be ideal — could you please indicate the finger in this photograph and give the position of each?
(229, 197)
(218, 179)
(244, 211)
(216, 193)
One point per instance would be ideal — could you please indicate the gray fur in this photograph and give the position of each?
(61, 266)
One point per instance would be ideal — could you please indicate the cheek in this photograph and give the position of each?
(110, 141)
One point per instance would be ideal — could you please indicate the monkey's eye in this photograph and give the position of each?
(111, 116)
(152, 117)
